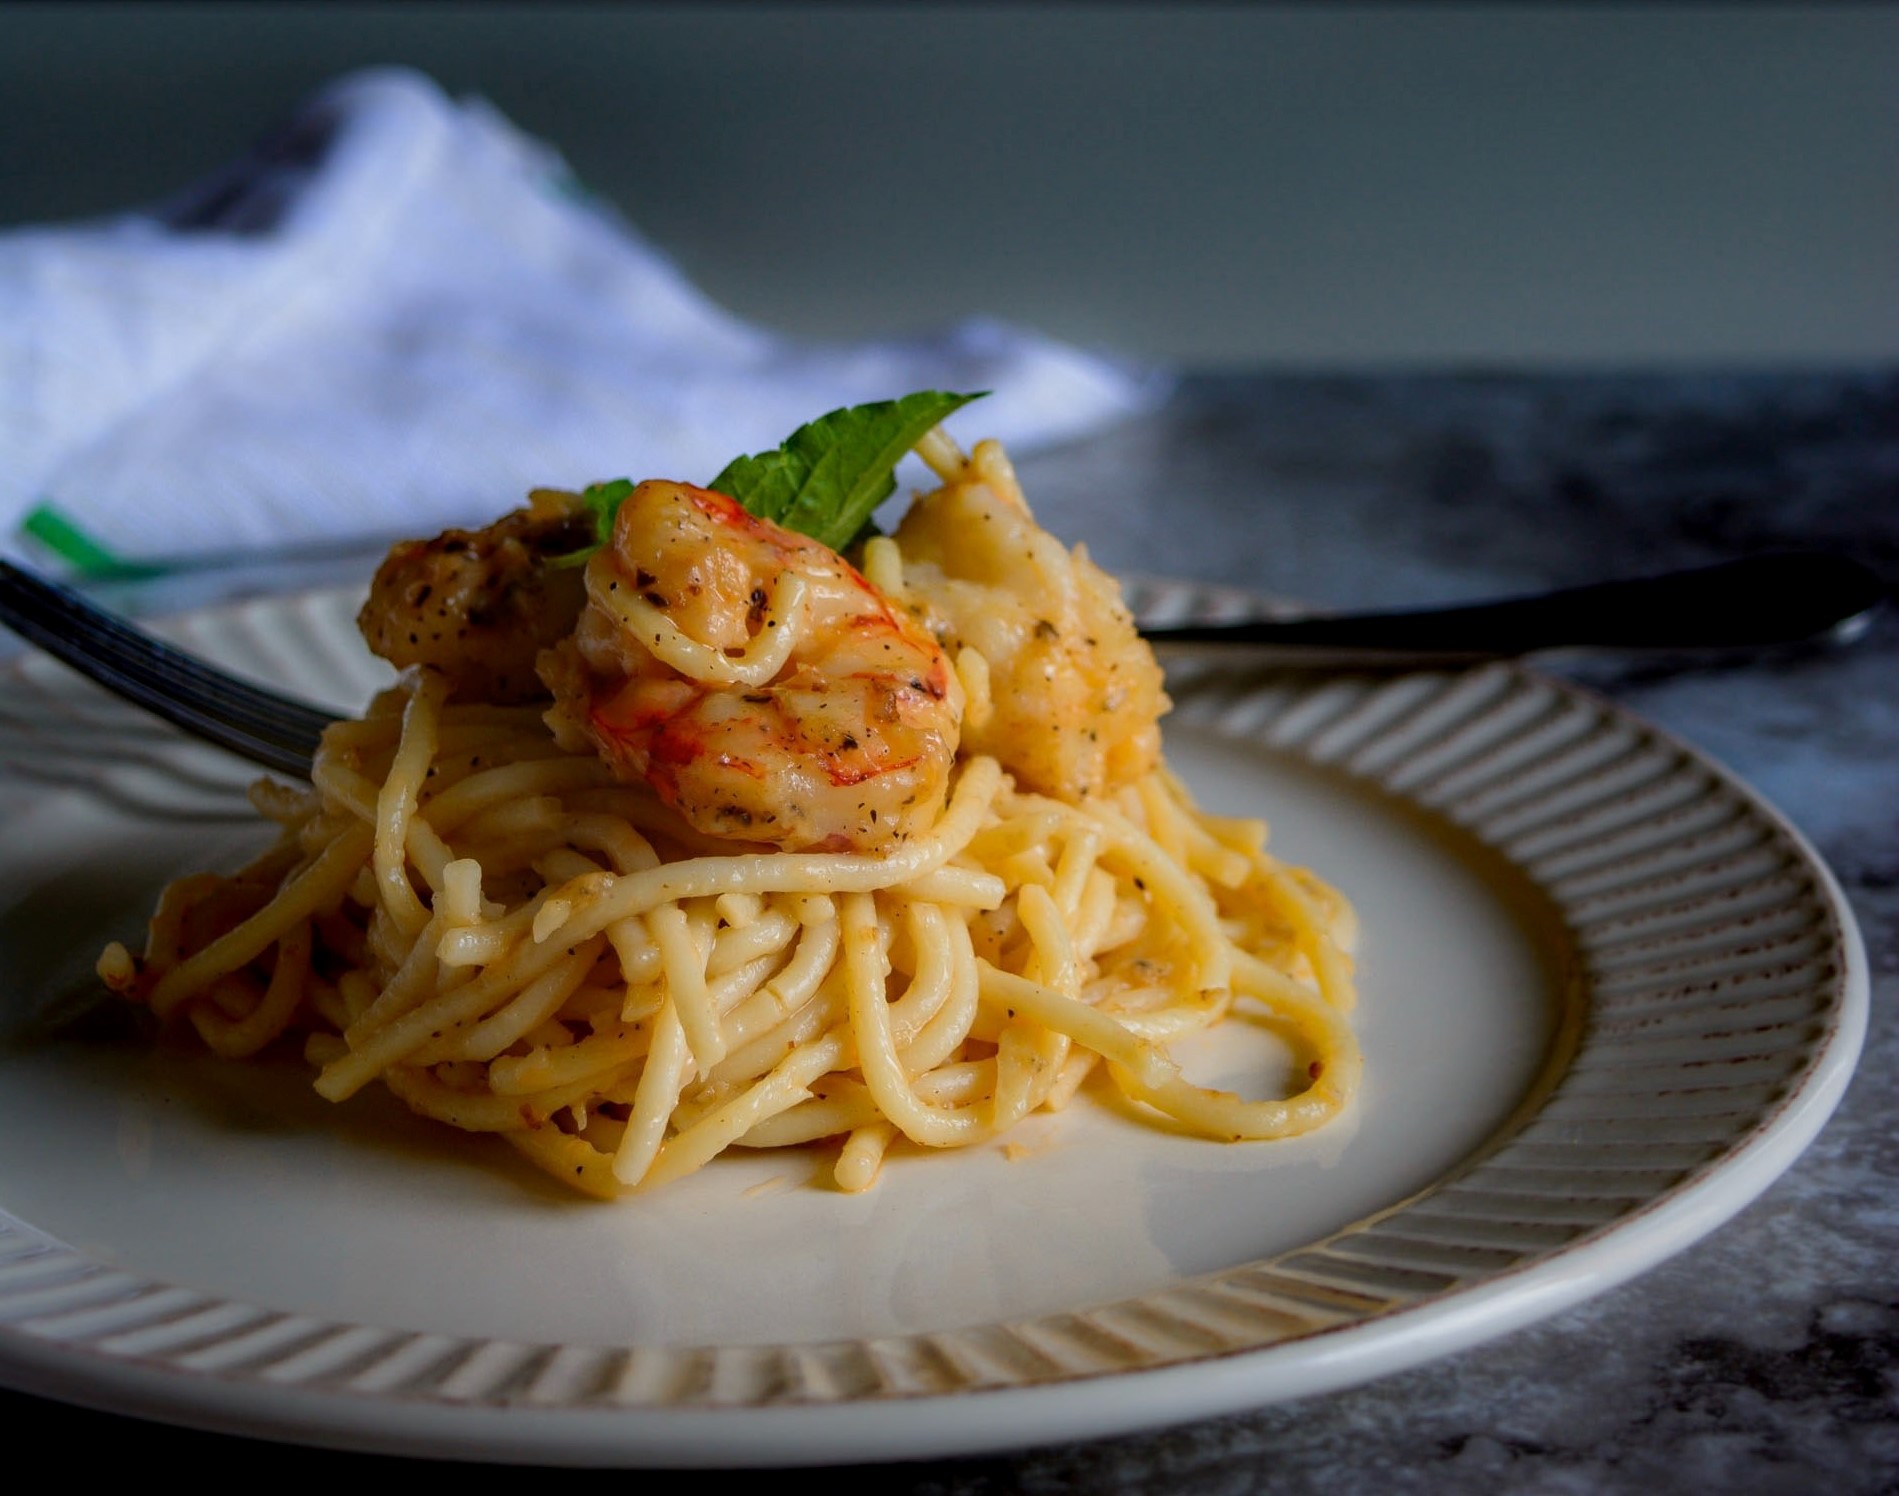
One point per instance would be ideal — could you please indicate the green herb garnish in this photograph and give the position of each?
(830, 475)
(824, 481)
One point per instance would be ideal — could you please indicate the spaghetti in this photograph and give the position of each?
(517, 934)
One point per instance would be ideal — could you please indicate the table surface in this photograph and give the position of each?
(1764, 1358)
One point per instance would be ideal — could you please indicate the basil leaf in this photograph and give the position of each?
(831, 473)
(825, 481)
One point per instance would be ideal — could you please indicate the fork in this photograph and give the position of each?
(261, 725)
(1755, 603)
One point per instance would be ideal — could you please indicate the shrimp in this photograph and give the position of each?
(1075, 692)
(480, 605)
(755, 680)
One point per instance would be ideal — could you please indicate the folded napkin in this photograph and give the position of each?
(401, 313)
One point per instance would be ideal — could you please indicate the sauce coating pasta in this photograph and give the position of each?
(801, 853)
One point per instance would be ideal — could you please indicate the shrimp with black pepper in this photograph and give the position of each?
(480, 605)
(1075, 696)
(755, 680)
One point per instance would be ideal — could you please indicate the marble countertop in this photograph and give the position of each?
(1764, 1358)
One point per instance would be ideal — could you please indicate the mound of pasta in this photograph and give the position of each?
(713, 839)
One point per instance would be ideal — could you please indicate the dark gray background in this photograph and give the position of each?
(1221, 185)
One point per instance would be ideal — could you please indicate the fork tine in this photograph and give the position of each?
(259, 724)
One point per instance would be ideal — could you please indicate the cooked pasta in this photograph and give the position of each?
(572, 927)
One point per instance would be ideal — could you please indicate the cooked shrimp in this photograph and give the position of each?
(480, 605)
(755, 680)
(1075, 692)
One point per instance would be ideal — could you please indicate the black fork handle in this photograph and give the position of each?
(1755, 603)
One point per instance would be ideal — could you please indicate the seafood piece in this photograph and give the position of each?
(1075, 695)
(755, 680)
(480, 605)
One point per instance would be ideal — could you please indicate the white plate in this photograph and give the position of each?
(1608, 996)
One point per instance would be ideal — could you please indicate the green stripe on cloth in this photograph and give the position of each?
(74, 546)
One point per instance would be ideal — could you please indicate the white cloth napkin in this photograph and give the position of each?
(402, 313)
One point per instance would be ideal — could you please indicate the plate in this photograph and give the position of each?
(1608, 995)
